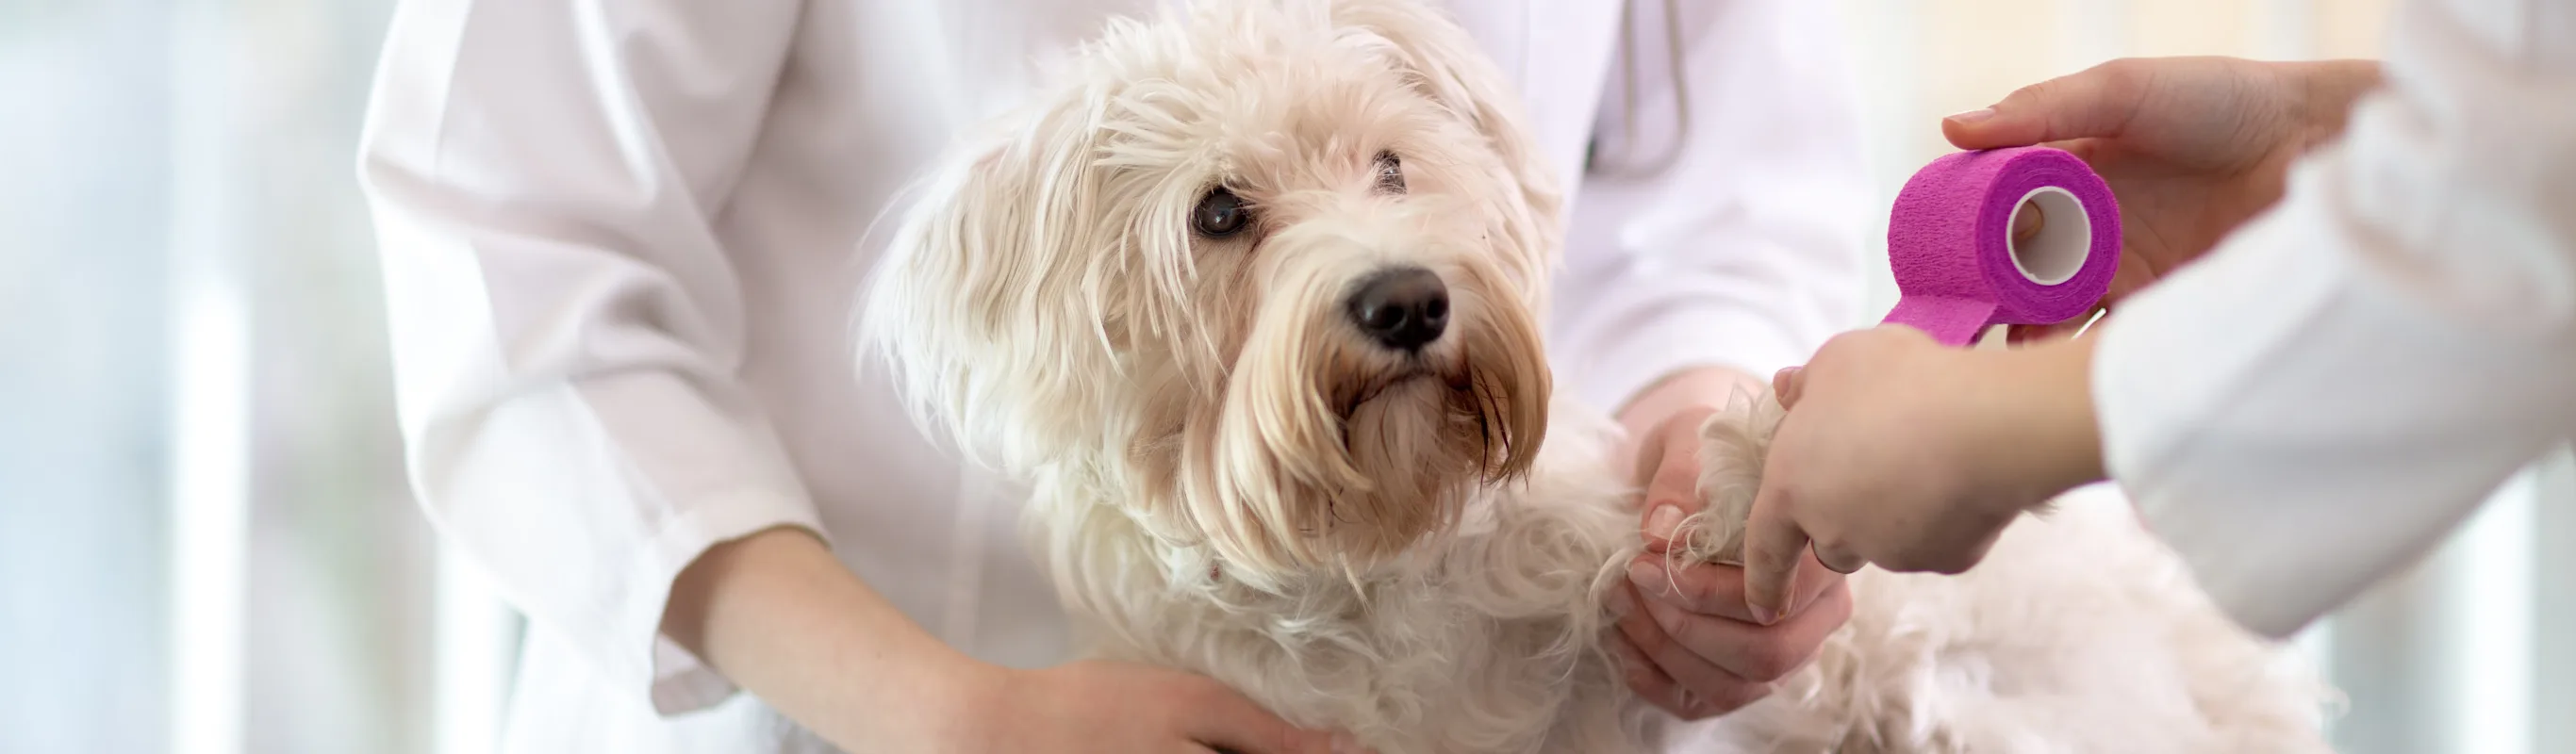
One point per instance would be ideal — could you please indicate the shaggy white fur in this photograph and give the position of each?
(1150, 295)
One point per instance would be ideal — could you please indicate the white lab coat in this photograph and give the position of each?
(622, 240)
(2320, 400)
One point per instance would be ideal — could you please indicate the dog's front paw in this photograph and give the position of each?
(1733, 443)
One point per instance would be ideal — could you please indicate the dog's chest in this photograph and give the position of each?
(1412, 671)
(1488, 639)
(1493, 648)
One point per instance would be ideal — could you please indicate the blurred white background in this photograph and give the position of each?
(205, 542)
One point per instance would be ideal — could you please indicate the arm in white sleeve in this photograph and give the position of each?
(2344, 380)
(1745, 249)
(566, 329)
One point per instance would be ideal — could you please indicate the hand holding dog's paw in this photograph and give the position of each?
(1688, 643)
(1732, 445)
(1900, 452)
(1117, 707)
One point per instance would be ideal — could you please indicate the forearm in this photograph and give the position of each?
(781, 617)
(2045, 436)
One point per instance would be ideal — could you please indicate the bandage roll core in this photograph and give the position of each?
(1950, 242)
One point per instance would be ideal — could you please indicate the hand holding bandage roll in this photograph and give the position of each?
(1900, 451)
(2027, 236)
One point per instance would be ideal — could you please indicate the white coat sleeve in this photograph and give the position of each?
(1745, 248)
(2341, 382)
(566, 328)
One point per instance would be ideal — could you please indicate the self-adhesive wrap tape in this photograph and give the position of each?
(1959, 270)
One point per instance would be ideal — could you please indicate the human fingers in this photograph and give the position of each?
(1696, 688)
(1672, 486)
(1223, 719)
(1787, 385)
(1715, 657)
(1773, 544)
(2024, 334)
(2028, 221)
(1644, 677)
(2094, 102)
(1718, 590)
(1704, 588)
(1650, 455)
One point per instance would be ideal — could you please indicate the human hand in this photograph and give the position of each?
(1112, 707)
(1687, 640)
(778, 613)
(2193, 147)
(1900, 452)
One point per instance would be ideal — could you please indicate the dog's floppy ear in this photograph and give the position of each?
(981, 310)
(1447, 64)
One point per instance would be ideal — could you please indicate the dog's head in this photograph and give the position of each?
(1268, 273)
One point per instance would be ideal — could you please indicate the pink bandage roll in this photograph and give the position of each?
(1958, 270)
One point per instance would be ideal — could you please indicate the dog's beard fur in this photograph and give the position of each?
(1049, 305)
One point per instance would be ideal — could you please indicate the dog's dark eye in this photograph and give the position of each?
(1390, 173)
(1221, 214)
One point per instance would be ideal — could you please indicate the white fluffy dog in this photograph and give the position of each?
(1251, 301)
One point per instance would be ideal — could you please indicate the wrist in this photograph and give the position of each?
(780, 616)
(2049, 437)
(956, 711)
(2075, 434)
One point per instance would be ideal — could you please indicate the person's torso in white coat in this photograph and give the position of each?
(622, 241)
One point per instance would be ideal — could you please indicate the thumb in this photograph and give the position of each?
(1772, 541)
(1671, 495)
(1232, 723)
(2094, 102)
(1787, 385)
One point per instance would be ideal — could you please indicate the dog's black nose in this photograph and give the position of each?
(1403, 308)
